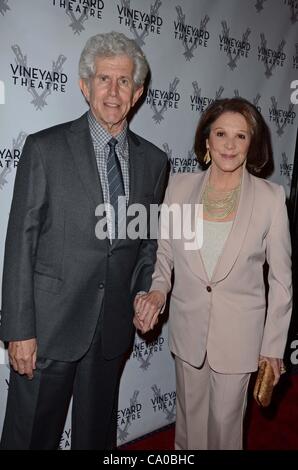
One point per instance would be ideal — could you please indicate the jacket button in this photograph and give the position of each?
(209, 289)
(101, 285)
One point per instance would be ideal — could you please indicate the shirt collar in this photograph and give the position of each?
(99, 134)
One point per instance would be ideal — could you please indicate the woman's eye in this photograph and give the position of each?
(241, 136)
(219, 133)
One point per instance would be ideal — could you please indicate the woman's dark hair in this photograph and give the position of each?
(259, 152)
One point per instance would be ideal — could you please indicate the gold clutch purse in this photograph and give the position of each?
(264, 384)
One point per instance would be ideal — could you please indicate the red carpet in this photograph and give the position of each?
(273, 428)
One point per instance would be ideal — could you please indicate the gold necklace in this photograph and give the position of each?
(220, 204)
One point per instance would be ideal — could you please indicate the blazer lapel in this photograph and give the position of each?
(236, 237)
(80, 142)
(240, 226)
(195, 259)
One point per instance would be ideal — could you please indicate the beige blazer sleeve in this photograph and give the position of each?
(161, 279)
(280, 281)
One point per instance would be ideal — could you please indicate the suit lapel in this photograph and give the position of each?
(240, 226)
(136, 175)
(136, 169)
(80, 142)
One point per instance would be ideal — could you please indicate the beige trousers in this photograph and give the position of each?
(210, 408)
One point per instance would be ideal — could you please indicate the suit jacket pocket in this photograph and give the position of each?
(46, 283)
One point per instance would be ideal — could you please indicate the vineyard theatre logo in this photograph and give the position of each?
(126, 416)
(9, 158)
(162, 100)
(2, 92)
(233, 47)
(281, 117)
(139, 22)
(286, 168)
(65, 441)
(143, 351)
(255, 100)
(40, 83)
(187, 164)
(259, 5)
(199, 102)
(190, 36)
(4, 7)
(293, 5)
(164, 402)
(80, 11)
(271, 58)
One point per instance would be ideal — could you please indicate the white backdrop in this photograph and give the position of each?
(198, 50)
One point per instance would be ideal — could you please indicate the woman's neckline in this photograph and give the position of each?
(218, 221)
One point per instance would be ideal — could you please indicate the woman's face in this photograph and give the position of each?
(229, 141)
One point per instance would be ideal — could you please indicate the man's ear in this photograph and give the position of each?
(84, 88)
(137, 94)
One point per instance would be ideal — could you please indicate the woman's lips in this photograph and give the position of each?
(227, 156)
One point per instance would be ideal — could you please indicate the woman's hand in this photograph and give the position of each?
(147, 309)
(277, 366)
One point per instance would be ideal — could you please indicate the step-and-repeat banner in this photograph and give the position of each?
(198, 50)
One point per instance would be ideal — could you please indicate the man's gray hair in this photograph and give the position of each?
(110, 45)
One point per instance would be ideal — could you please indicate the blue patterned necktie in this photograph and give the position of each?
(116, 185)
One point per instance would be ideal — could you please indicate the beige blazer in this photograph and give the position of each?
(227, 315)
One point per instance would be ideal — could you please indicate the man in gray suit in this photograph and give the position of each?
(68, 294)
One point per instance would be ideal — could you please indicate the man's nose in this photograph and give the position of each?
(114, 87)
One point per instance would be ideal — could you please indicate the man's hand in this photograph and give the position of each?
(22, 356)
(147, 309)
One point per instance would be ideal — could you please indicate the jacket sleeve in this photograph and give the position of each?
(142, 276)
(161, 279)
(280, 281)
(27, 212)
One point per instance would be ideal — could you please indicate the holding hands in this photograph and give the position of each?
(147, 308)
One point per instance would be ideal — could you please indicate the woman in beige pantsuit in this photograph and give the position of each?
(220, 326)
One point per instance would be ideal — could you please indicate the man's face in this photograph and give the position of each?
(110, 92)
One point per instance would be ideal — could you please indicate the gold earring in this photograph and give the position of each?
(207, 157)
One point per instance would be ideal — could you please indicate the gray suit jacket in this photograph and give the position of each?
(58, 276)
